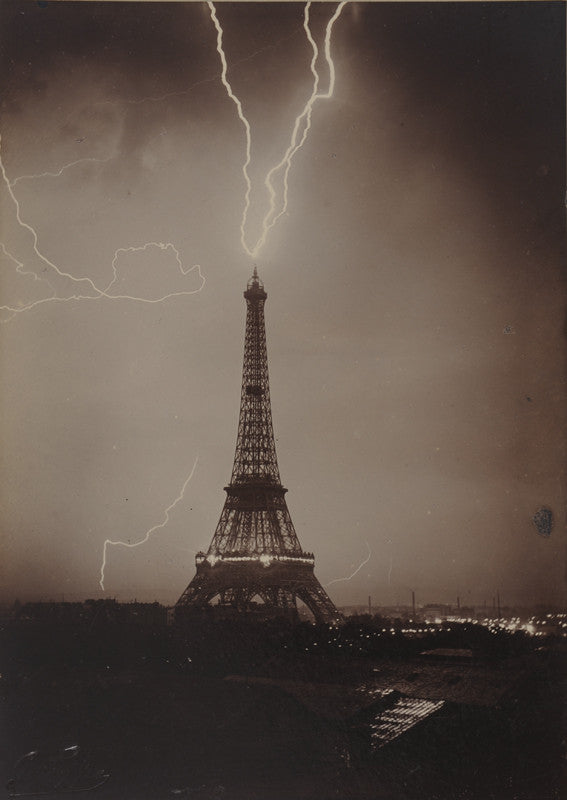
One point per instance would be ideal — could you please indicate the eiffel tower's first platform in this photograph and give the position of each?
(255, 553)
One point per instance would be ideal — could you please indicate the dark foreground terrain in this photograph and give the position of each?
(265, 712)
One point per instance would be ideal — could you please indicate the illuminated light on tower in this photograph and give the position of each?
(255, 552)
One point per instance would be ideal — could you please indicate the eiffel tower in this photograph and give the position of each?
(255, 552)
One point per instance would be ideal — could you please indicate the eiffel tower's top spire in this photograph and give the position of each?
(255, 284)
(255, 457)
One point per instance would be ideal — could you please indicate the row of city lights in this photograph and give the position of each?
(533, 627)
(515, 624)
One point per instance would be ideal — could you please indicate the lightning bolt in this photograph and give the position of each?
(61, 171)
(357, 570)
(21, 271)
(20, 266)
(109, 542)
(35, 238)
(302, 123)
(304, 118)
(95, 292)
(161, 246)
(242, 118)
(278, 199)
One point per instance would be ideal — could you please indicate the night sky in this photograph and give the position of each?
(416, 293)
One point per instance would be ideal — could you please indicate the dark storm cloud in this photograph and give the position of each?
(126, 51)
(133, 56)
(486, 82)
(143, 39)
(486, 78)
(152, 48)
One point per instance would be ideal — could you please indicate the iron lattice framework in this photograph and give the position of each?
(255, 551)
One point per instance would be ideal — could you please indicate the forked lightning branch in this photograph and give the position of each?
(278, 174)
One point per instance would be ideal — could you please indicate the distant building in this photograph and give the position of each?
(433, 611)
(100, 612)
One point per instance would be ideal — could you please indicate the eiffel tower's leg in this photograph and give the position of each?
(318, 602)
(278, 597)
(198, 594)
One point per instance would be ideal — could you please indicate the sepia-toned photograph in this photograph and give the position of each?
(283, 391)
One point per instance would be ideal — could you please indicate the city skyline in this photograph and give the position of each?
(415, 293)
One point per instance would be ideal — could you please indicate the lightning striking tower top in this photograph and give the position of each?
(255, 552)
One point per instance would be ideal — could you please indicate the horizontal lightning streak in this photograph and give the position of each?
(165, 246)
(61, 171)
(97, 292)
(109, 542)
(357, 570)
